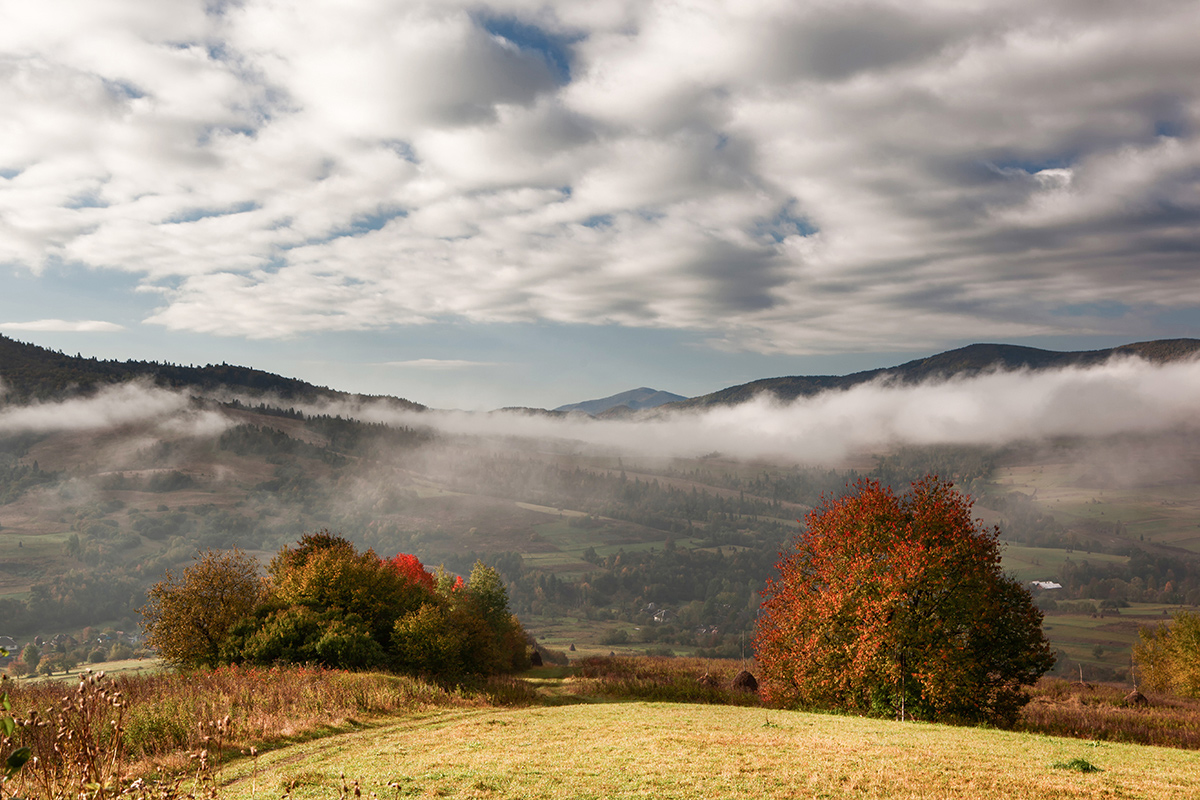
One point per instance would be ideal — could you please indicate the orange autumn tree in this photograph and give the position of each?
(897, 605)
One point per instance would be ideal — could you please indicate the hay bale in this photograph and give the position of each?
(745, 682)
(1136, 698)
(572, 647)
(707, 680)
(535, 660)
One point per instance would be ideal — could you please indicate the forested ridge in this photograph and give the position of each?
(30, 372)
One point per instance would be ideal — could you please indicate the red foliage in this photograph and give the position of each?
(411, 568)
(897, 605)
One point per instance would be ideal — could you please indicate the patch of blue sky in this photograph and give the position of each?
(365, 223)
(403, 149)
(74, 292)
(123, 89)
(599, 221)
(554, 48)
(210, 132)
(785, 224)
(1170, 128)
(199, 213)
(1179, 321)
(86, 200)
(8, 173)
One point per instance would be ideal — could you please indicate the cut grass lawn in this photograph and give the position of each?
(683, 751)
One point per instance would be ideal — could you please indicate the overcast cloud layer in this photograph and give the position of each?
(789, 176)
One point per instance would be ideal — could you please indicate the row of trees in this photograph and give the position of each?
(325, 602)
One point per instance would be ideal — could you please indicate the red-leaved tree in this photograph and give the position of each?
(897, 605)
(410, 567)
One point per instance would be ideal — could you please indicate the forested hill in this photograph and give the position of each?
(30, 372)
(963, 362)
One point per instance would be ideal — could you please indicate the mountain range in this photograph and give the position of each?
(30, 372)
(962, 362)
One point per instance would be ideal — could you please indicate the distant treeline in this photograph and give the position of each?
(30, 372)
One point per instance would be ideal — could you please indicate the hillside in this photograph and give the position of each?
(599, 548)
(29, 372)
(963, 362)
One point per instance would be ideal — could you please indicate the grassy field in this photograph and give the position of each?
(1042, 563)
(1163, 510)
(132, 666)
(694, 751)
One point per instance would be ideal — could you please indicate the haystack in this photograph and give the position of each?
(745, 682)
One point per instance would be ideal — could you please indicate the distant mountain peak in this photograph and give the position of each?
(634, 400)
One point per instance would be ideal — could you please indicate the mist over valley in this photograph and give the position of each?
(646, 530)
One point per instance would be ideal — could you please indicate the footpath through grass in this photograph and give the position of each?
(696, 752)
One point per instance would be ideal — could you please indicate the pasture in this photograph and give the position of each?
(691, 752)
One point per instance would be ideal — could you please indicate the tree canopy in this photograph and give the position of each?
(897, 605)
(1168, 658)
(325, 602)
(189, 616)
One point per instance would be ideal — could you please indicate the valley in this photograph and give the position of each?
(602, 549)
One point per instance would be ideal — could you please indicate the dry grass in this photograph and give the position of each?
(395, 736)
(674, 680)
(166, 717)
(1097, 711)
(690, 752)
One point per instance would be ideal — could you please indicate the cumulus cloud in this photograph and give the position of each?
(784, 177)
(57, 325)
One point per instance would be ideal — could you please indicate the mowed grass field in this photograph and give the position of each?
(695, 752)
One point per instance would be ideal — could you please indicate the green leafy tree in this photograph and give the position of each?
(1168, 658)
(487, 596)
(897, 605)
(188, 617)
(327, 573)
(31, 655)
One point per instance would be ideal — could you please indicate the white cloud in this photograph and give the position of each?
(63, 325)
(785, 177)
(1124, 396)
(127, 404)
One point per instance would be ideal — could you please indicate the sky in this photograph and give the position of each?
(516, 203)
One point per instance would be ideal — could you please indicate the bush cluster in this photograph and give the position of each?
(323, 602)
